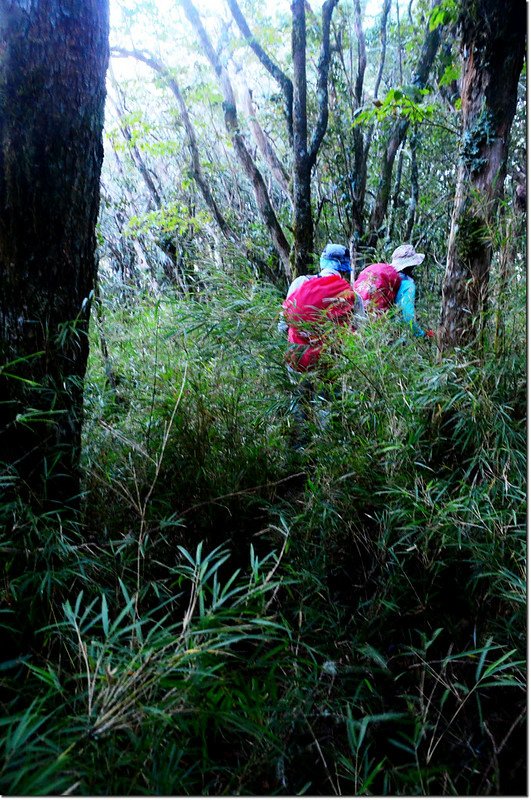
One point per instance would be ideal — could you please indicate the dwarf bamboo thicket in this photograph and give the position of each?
(192, 605)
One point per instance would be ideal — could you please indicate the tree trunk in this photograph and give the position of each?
(492, 48)
(263, 201)
(361, 143)
(304, 155)
(397, 136)
(52, 92)
(295, 96)
(302, 200)
(269, 155)
(414, 195)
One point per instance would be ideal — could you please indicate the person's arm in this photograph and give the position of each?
(405, 300)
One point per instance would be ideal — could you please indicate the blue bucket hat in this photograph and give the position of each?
(335, 256)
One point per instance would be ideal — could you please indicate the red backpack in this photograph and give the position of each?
(377, 285)
(307, 309)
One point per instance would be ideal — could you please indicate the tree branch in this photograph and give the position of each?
(322, 82)
(197, 172)
(231, 122)
(274, 70)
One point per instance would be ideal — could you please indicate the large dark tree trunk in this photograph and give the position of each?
(54, 57)
(492, 48)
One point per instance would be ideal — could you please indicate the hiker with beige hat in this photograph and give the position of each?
(383, 285)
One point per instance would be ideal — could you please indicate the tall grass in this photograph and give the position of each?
(233, 615)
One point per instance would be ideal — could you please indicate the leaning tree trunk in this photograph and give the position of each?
(54, 57)
(397, 136)
(492, 47)
(245, 158)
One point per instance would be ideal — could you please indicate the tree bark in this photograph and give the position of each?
(492, 50)
(304, 156)
(52, 92)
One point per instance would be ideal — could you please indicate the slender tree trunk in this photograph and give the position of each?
(263, 201)
(304, 154)
(52, 92)
(397, 136)
(414, 196)
(295, 97)
(395, 202)
(136, 155)
(302, 200)
(278, 171)
(361, 143)
(492, 47)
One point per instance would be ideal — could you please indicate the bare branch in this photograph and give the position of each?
(197, 172)
(274, 70)
(231, 122)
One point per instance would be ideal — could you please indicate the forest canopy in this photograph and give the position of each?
(228, 570)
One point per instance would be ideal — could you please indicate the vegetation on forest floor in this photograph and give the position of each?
(237, 601)
(234, 616)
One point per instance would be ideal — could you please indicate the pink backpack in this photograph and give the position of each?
(377, 285)
(307, 309)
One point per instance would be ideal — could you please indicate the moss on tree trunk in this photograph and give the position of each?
(492, 61)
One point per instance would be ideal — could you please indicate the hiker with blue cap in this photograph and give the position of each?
(334, 260)
(314, 306)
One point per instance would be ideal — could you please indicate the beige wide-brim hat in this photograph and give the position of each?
(406, 256)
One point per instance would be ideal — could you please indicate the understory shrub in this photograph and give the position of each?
(242, 610)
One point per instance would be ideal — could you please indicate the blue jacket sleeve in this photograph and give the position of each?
(405, 300)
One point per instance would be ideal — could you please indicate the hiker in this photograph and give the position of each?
(313, 300)
(311, 304)
(383, 285)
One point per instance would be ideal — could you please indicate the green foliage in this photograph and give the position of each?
(451, 73)
(444, 13)
(353, 618)
(398, 103)
(174, 218)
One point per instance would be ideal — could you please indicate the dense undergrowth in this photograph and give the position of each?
(239, 614)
